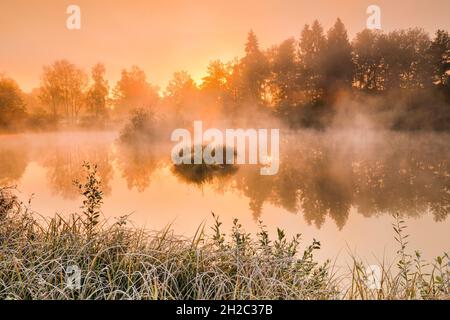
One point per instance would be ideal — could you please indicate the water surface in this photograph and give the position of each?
(340, 187)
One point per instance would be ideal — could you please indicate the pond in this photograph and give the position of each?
(340, 187)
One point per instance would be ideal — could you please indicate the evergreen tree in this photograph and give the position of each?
(284, 77)
(311, 54)
(338, 63)
(254, 70)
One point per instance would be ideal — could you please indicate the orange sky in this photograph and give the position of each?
(165, 36)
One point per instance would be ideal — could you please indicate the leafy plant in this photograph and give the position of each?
(93, 198)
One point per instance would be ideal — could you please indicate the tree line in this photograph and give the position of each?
(300, 81)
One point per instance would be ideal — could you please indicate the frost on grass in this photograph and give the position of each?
(118, 261)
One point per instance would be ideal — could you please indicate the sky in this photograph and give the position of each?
(165, 36)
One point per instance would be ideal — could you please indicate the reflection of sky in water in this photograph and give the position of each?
(340, 189)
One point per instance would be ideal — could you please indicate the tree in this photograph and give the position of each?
(38, 114)
(440, 58)
(234, 92)
(133, 91)
(181, 94)
(98, 93)
(215, 88)
(214, 83)
(406, 59)
(62, 89)
(12, 106)
(180, 86)
(32, 101)
(369, 71)
(284, 75)
(254, 70)
(338, 64)
(420, 72)
(311, 54)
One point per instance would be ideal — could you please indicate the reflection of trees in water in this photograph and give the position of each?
(320, 175)
(253, 185)
(137, 163)
(13, 160)
(325, 189)
(307, 182)
(405, 183)
(326, 179)
(64, 165)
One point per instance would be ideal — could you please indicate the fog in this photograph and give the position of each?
(364, 134)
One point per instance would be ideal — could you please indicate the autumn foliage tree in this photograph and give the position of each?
(133, 91)
(97, 95)
(12, 106)
(300, 81)
(63, 88)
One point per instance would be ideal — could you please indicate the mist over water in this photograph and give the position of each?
(277, 161)
(338, 183)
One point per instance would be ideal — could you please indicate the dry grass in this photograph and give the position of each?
(120, 262)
